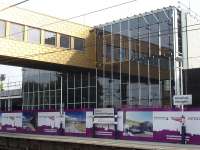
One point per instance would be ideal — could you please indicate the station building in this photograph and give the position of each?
(128, 63)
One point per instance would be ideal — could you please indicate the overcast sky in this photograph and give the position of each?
(66, 9)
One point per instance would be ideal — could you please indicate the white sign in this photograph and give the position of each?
(182, 99)
(104, 120)
(104, 112)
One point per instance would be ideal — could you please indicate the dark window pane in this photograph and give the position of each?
(30, 85)
(41, 94)
(58, 81)
(92, 105)
(85, 94)
(151, 19)
(16, 32)
(53, 81)
(92, 94)
(71, 106)
(79, 43)
(78, 106)
(71, 96)
(2, 28)
(84, 80)
(34, 35)
(52, 98)
(92, 79)
(64, 41)
(116, 28)
(36, 98)
(162, 16)
(70, 80)
(25, 86)
(50, 38)
(124, 26)
(58, 96)
(78, 80)
(46, 98)
(16, 104)
(78, 96)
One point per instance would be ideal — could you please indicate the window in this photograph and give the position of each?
(79, 44)
(50, 38)
(16, 32)
(64, 41)
(34, 35)
(2, 29)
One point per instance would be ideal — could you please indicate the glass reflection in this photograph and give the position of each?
(137, 66)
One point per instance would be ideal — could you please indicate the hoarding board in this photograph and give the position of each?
(75, 122)
(167, 126)
(29, 121)
(50, 122)
(11, 122)
(138, 124)
(160, 126)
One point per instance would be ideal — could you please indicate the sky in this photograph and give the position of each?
(65, 9)
(139, 116)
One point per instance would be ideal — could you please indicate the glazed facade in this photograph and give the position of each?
(43, 90)
(135, 59)
(122, 64)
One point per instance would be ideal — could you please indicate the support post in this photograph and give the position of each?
(183, 127)
(61, 94)
(115, 119)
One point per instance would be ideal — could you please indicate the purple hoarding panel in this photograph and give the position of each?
(11, 122)
(75, 123)
(167, 126)
(138, 125)
(143, 125)
(104, 131)
(50, 123)
(29, 122)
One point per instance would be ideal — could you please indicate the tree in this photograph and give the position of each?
(1, 86)
(2, 78)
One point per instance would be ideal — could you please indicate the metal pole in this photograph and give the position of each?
(183, 127)
(61, 95)
(182, 109)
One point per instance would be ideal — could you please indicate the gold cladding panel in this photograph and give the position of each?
(11, 48)
(50, 54)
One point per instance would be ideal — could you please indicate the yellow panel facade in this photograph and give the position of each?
(46, 53)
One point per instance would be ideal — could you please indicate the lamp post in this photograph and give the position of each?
(61, 92)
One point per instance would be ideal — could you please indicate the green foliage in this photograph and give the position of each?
(1, 86)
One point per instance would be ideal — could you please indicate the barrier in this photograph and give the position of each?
(143, 125)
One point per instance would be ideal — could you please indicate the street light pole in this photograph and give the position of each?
(61, 92)
(61, 95)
